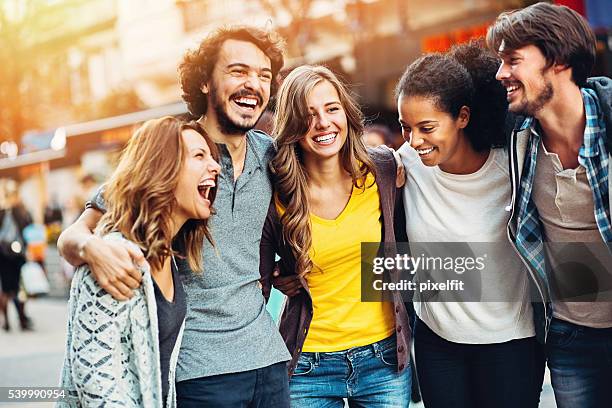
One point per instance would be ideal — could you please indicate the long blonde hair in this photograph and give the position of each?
(140, 196)
(291, 123)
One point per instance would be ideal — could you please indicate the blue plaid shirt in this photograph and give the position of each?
(593, 156)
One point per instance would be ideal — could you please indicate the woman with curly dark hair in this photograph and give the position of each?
(469, 353)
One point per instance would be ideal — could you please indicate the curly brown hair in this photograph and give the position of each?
(198, 64)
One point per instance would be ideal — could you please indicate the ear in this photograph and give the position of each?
(464, 117)
(558, 68)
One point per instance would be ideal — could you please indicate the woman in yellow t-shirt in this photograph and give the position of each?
(331, 195)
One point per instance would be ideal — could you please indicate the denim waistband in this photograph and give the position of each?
(565, 325)
(377, 347)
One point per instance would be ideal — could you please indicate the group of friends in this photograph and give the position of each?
(506, 140)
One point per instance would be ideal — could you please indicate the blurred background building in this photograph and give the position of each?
(77, 75)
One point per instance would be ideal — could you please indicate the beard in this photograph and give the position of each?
(227, 125)
(531, 108)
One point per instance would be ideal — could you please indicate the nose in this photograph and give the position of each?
(214, 167)
(321, 121)
(252, 82)
(415, 140)
(502, 72)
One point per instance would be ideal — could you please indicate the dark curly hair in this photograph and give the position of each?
(464, 76)
(198, 64)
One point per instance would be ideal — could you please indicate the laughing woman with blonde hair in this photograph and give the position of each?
(331, 195)
(158, 200)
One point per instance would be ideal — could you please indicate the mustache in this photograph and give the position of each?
(245, 93)
(507, 82)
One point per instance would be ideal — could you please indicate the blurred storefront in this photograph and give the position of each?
(391, 34)
(57, 173)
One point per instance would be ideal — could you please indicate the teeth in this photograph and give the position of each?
(207, 183)
(511, 88)
(325, 138)
(247, 101)
(205, 186)
(425, 151)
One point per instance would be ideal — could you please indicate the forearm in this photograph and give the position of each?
(73, 241)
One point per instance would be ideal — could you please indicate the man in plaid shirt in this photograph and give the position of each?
(560, 169)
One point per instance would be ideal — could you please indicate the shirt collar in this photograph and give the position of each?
(251, 150)
(592, 129)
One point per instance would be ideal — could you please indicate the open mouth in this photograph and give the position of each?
(248, 103)
(424, 152)
(511, 90)
(325, 139)
(204, 188)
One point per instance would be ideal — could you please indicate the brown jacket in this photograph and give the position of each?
(298, 311)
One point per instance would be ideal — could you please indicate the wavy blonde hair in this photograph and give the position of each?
(291, 123)
(140, 196)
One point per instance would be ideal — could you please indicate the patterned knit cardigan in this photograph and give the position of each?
(112, 347)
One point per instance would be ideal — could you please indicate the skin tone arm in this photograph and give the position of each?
(112, 264)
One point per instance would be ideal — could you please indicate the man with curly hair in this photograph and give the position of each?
(232, 353)
(561, 167)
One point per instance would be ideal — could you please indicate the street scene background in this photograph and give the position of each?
(77, 76)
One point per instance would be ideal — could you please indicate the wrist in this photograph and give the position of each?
(83, 247)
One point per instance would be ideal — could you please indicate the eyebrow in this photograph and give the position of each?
(198, 148)
(423, 122)
(242, 65)
(328, 103)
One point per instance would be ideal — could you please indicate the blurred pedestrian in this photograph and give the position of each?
(13, 218)
(376, 135)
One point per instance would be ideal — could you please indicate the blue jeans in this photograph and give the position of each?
(580, 363)
(265, 387)
(457, 375)
(366, 376)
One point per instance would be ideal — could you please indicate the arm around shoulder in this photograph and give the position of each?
(73, 239)
(113, 263)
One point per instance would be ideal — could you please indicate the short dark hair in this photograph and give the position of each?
(465, 76)
(198, 64)
(561, 34)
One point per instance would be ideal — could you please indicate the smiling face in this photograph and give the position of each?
(328, 125)
(196, 178)
(527, 81)
(437, 137)
(239, 89)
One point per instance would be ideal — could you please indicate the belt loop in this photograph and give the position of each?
(316, 358)
(376, 348)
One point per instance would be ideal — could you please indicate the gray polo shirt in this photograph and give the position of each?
(228, 329)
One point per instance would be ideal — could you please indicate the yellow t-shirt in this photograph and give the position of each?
(341, 321)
